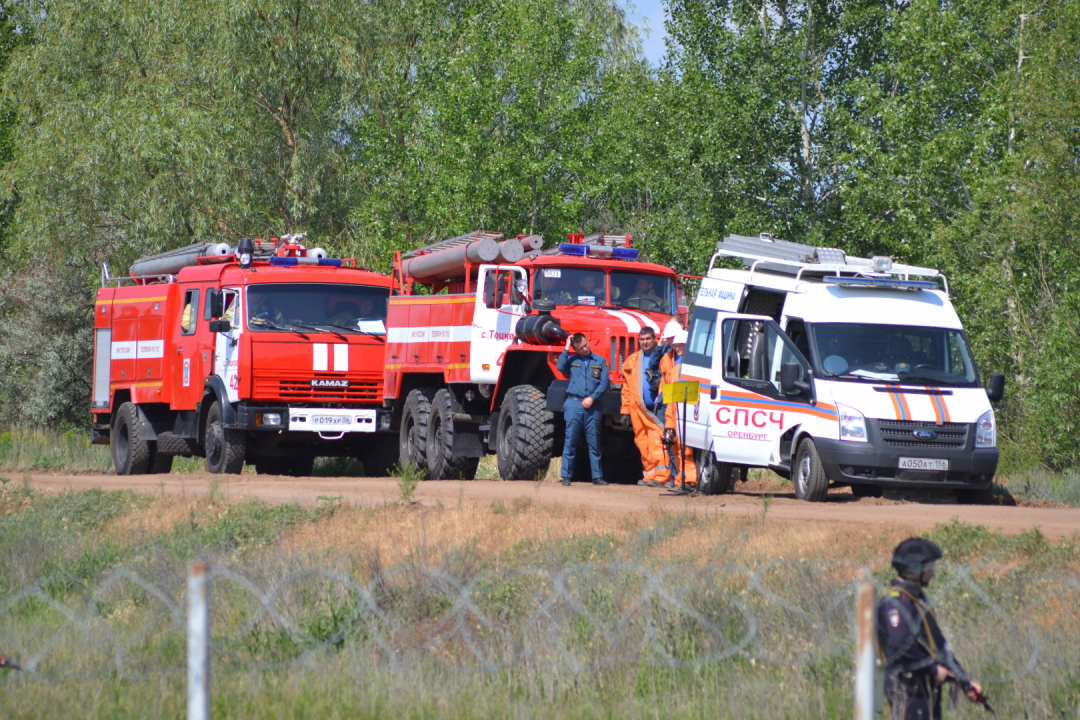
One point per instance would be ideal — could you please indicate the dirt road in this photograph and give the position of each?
(841, 507)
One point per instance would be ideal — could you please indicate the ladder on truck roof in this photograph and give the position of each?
(770, 254)
(452, 243)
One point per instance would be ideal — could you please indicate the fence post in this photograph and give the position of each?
(865, 645)
(198, 642)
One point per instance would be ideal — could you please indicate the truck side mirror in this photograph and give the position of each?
(215, 303)
(789, 380)
(499, 293)
(996, 391)
(220, 326)
(489, 292)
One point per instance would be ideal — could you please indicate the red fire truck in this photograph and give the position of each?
(475, 327)
(269, 353)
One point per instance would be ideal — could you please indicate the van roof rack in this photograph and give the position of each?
(770, 254)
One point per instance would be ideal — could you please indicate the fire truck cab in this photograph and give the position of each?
(475, 328)
(267, 353)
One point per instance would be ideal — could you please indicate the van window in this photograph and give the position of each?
(754, 353)
(866, 352)
(702, 335)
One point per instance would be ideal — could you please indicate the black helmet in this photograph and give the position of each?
(913, 555)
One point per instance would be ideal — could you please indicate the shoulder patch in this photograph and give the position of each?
(596, 372)
(893, 617)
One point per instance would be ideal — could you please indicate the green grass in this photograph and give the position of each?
(1040, 484)
(325, 655)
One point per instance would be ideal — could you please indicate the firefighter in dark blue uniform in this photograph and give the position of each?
(588, 375)
(918, 660)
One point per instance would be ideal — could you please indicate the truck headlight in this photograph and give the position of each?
(986, 430)
(852, 424)
(271, 419)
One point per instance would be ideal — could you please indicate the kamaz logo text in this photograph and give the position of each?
(329, 383)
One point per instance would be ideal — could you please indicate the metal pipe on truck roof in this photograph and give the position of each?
(510, 251)
(172, 262)
(532, 242)
(450, 264)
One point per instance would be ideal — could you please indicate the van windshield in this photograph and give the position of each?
(893, 353)
(283, 307)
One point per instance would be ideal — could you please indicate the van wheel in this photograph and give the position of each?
(525, 434)
(412, 440)
(713, 478)
(809, 478)
(130, 453)
(442, 464)
(224, 447)
(159, 464)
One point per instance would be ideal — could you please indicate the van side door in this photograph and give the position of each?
(755, 405)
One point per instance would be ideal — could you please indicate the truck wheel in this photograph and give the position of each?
(525, 434)
(809, 478)
(130, 453)
(713, 478)
(380, 458)
(442, 464)
(159, 464)
(976, 497)
(412, 439)
(224, 446)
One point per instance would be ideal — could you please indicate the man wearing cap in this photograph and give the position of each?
(918, 660)
(682, 457)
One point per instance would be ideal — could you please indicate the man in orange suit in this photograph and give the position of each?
(639, 408)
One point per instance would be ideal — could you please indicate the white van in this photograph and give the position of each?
(835, 370)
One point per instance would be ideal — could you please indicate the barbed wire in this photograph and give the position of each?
(581, 617)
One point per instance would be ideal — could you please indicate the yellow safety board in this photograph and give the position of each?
(681, 392)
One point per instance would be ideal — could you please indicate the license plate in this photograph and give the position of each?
(330, 420)
(938, 464)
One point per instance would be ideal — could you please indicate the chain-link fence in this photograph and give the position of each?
(580, 618)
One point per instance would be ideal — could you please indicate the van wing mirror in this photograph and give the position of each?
(996, 391)
(790, 384)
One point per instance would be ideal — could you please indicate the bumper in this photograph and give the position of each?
(876, 463)
(328, 423)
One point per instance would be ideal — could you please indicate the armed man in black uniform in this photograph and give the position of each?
(918, 660)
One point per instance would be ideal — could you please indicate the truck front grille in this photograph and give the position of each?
(899, 433)
(622, 347)
(293, 387)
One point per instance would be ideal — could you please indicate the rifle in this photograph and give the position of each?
(962, 680)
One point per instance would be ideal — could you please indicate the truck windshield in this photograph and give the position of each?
(644, 291)
(283, 307)
(570, 286)
(893, 353)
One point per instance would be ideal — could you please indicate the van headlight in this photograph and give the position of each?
(852, 424)
(986, 430)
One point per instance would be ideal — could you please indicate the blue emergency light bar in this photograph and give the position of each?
(294, 261)
(598, 250)
(880, 283)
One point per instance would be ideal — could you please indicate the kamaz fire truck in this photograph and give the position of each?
(268, 353)
(475, 327)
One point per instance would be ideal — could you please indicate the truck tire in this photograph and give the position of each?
(381, 457)
(224, 446)
(412, 439)
(130, 453)
(159, 464)
(442, 464)
(808, 477)
(714, 478)
(525, 434)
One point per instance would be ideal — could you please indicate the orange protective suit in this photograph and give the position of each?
(648, 435)
(671, 373)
